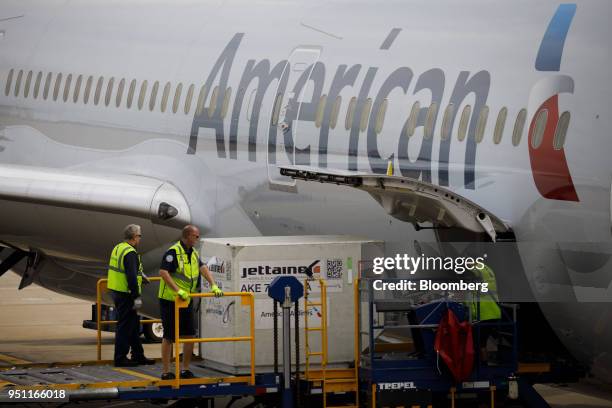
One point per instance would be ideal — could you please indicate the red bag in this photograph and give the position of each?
(455, 345)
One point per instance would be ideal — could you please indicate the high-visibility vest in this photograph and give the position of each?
(489, 309)
(117, 279)
(185, 276)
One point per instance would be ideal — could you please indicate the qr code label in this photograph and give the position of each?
(334, 269)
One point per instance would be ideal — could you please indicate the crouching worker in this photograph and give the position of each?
(180, 268)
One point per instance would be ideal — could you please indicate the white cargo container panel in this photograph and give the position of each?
(250, 264)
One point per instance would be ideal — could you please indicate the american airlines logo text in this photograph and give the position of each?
(407, 385)
(304, 74)
(311, 80)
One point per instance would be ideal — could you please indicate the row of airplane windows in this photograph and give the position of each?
(409, 127)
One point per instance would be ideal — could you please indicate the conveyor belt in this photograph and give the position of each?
(96, 376)
(94, 380)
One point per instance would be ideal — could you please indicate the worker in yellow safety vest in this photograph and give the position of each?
(125, 283)
(485, 310)
(180, 270)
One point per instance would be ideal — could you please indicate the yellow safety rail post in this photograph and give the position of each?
(247, 298)
(322, 329)
(102, 286)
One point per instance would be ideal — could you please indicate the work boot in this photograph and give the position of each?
(125, 362)
(142, 360)
(187, 374)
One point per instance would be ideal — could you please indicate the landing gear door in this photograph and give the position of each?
(286, 111)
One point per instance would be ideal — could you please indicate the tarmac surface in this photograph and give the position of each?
(38, 325)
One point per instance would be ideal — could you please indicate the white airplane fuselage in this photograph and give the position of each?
(141, 114)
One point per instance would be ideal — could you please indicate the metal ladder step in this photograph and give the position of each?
(314, 328)
(339, 380)
(313, 304)
(340, 385)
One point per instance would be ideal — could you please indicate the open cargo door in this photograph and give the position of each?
(408, 199)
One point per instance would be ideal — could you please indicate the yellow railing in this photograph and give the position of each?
(247, 299)
(102, 286)
(322, 329)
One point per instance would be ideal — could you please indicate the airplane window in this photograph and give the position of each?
(519, 125)
(58, 83)
(98, 90)
(277, 107)
(320, 110)
(77, 88)
(429, 120)
(200, 104)
(380, 116)
(350, 112)
(481, 124)
(87, 89)
(67, 87)
(463, 122)
(499, 125)
(18, 83)
(9, 80)
(367, 107)
(189, 97)
(120, 92)
(412, 119)
(164, 101)
(109, 91)
(213, 102)
(177, 97)
(26, 90)
(47, 85)
(143, 92)
(37, 84)
(226, 100)
(153, 97)
(333, 120)
(131, 91)
(540, 127)
(448, 114)
(561, 131)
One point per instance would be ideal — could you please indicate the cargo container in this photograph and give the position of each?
(249, 264)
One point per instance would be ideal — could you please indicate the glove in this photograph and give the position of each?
(137, 303)
(145, 279)
(216, 291)
(183, 295)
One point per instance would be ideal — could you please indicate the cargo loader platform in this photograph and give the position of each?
(101, 380)
(97, 380)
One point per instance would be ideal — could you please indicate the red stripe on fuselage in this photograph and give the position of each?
(549, 166)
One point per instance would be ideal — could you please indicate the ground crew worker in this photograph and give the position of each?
(489, 312)
(180, 269)
(125, 282)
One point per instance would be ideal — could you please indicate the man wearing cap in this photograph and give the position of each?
(180, 269)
